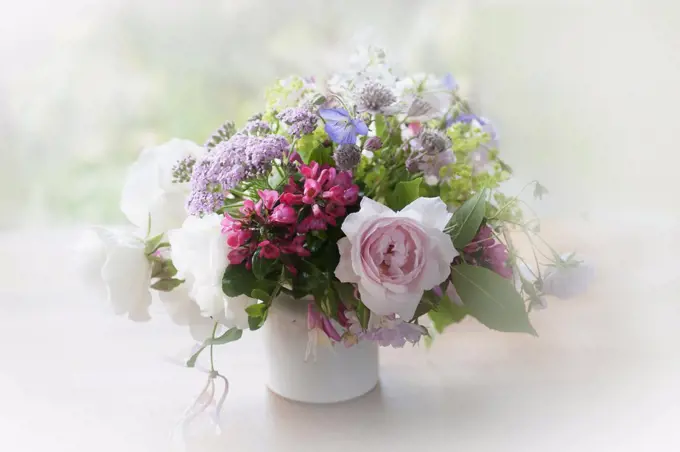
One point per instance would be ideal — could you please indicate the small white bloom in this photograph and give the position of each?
(123, 270)
(149, 191)
(199, 252)
(567, 281)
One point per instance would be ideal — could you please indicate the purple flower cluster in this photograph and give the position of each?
(230, 162)
(487, 252)
(257, 127)
(300, 121)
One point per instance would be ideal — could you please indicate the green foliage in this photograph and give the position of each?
(491, 299)
(167, 284)
(404, 193)
(312, 147)
(257, 314)
(441, 310)
(231, 335)
(466, 220)
(152, 244)
(237, 280)
(262, 267)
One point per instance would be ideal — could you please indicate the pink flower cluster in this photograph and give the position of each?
(278, 223)
(326, 191)
(486, 251)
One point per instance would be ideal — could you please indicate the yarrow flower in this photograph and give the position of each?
(230, 162)
(341, 127)
(486, 251)
(300, 121)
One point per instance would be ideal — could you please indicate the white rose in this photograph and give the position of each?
(199, 252)
(149, 191)
(116, 261)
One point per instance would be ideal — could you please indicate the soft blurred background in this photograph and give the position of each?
(584, 93)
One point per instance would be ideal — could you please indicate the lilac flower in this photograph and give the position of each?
(230, 162)
(300, 121)
(257, 127)
(340, 126)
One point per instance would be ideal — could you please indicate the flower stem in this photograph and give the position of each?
(212, 362)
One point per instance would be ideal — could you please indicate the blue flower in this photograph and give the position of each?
(340, 126)
(449, 82)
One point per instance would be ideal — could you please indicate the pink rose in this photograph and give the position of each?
(394, 257)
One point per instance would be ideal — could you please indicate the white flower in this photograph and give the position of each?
(425, 96)
(184, 311)
(149, 191)
(199, 252)
(116, 261)
(394, 257)
(567, 281)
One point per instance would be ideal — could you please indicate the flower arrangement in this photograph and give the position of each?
(371, 196)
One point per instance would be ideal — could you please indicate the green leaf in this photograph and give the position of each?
(261, 295)
(151, 244)
(191, 362)
(262, 266)
(257, 314)
(363, 315)
(346, 293)
(237, 280)
(166, 285)
(380, 125)
(467, 219)
(404, 193)
(231, 335)
(491, 299)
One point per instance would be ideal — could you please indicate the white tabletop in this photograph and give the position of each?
(602, 376)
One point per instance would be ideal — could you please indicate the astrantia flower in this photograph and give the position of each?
(347, 157)
(394, 257)
(300, 121)
(430, 152)
(149, 193)
(375, 97)
(373, 144)
(341, 127)
(230, 162)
